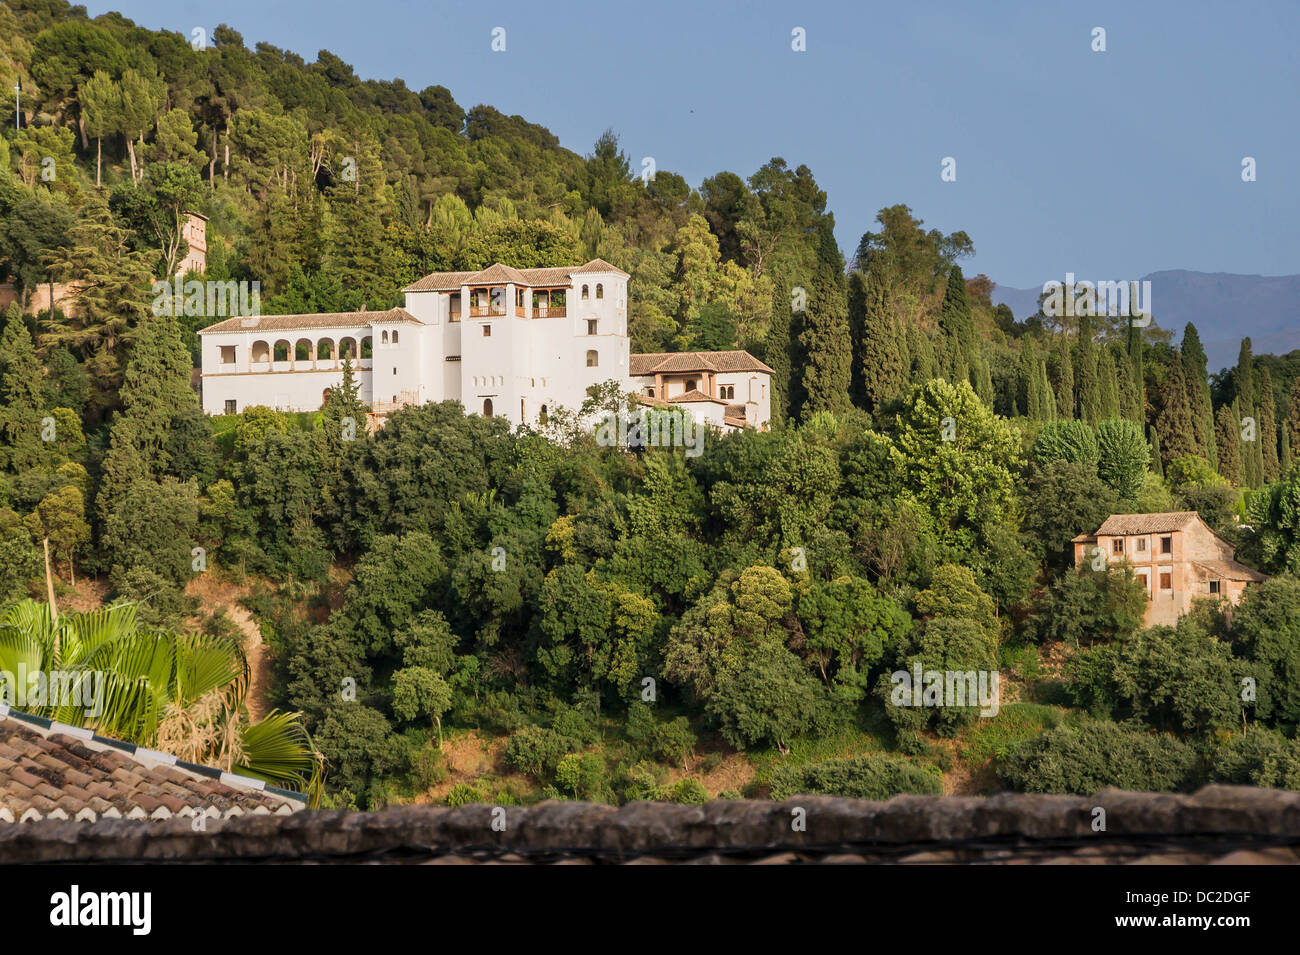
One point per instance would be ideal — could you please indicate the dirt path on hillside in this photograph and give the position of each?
(212, 594)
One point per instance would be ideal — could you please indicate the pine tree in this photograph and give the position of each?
(882, 374)
(1062, 369)
(1085, 373)
(1228, 440)
(1177, 431)
(827, 370)
(20, 396)
(778, 352)
(1267, 428)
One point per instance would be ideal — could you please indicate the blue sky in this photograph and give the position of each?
(1109, 165)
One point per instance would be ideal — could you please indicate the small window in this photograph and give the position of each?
(383, 339)
(1117, 545)
(1214, 586)
(1166, 581)
(649, 392)
(394, 371)
(230, 406)
(1142, 545)
(593, 359)
(1166, 545)
(487, 331)
(487, 407)
(394, 338)
(542, 415)
(600, 290)
(1146, 585)
(591, 326)
(584, 292)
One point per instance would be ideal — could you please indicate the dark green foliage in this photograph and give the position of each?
(1063, 500)
(1258, 757)
(1066, 440)
(1096, 755)
(1122, 456)
(1091, 605)
(875, 776)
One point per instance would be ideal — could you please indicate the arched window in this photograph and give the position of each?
(261, 351)
(367, 347)
(542, 415)
(584, 291)
(384, 338)
(281, 350)
(302, 350)
(325, 348)
(487, 407)
(593, 359)
(600, 290)
(650, 392)
(394, 336)
(691, 384)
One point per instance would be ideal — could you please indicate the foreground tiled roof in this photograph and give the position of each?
(275, 323)
(1219, 824)
(1163, 523)
(651, 363)
(499, 274)
(693, 396)
(50, 771)
(1231, 570)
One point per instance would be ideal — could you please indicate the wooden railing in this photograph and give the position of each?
(548, 311)
(486, 311)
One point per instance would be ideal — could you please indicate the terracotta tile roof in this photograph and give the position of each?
(65, 772)
(692, 396)
(1231, 570)
(275, 323)
(652, 363)
(735, 421)
(1120, 524)
(499, 274)
(1228, 824)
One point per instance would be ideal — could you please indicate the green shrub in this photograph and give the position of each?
(1097, 754)
(869, 776)
(998, 736)
(463, 794)
(1258, 757)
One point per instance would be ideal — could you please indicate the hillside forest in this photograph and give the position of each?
(450, 611)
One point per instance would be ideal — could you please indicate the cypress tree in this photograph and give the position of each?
(825, 340)
(20, 396)
(925, 365)
(1062, 369)
(778, 352)
(1136, 351)
(1175, 420)
(1267, 428)
(1107, 386)
(858, 318)
(882, 374)
(1127, 391)
(1284, 463)
(1198, 388)
(1045, 391)
(1292, 427)
(958, 324)
(1085, 373)
(1244, 376)
(1157, 465)
(983, 381)
(1228, 440)
(1028, 398)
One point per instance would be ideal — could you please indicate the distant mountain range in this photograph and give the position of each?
(1225, 308)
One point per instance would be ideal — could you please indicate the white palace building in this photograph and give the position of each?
(508, 342)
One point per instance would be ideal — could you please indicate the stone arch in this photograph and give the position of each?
(260, 352)
(280, 350)
(302, 350)
(367, 347)
(347, 347)
(325, 349)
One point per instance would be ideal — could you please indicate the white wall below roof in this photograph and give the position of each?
(284, 391)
